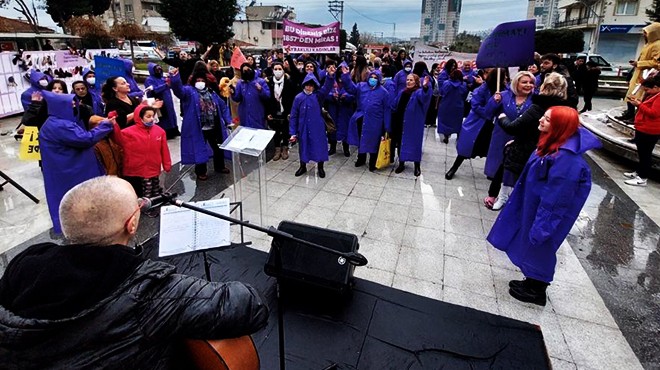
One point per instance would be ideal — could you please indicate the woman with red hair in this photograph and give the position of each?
(545, 202)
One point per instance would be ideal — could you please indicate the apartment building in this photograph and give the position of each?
(440, 21)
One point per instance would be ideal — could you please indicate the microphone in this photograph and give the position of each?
(147, 204)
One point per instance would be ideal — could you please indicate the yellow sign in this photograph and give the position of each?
(30, 144)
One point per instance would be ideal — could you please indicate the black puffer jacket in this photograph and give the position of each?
(525, 130)
(75, 307)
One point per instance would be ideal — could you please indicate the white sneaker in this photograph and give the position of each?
(637, 181)
(500, 202)
(630, 175)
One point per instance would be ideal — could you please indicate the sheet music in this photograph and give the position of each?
(183, 230)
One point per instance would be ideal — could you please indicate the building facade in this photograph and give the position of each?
(612, 28)
(440, 21)
(142, 12)
(261, 26)
(544, 11)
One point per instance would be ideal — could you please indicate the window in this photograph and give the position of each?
(626, 7)
(128, 8)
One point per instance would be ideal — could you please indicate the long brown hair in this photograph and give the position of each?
(564, 122)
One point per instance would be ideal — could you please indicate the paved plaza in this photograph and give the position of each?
(426, 236)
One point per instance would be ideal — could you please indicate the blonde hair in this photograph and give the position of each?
(213, 63)
(554, 85)
(516, 80)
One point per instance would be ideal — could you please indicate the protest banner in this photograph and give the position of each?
(65, 59)
(510, 44)
(105, 68)
(313, 40)
(432, 54)
(29, 149)
(237, 58)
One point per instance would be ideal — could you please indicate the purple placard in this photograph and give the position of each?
(313, 40)
(510, 44)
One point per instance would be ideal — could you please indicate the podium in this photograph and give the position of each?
(248, 148)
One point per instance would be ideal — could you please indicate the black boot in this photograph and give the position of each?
(454, 167)
(344, 145)
(446, 139)
(319, 169)
(361, 159)
(392, 149)
(418, 169)
(373, 157)
(400, 167)
(333, 147)
(530, 290)
(302, 169)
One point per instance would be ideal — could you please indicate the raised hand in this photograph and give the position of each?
(344, 70)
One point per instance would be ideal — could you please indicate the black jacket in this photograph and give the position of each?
(525, 130)
(571, 92)
(91, 307)
(289, 92)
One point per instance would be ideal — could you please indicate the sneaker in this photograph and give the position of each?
(630, 175)
(500, 202)
(637, 181)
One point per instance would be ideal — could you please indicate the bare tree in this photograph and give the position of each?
(21, 6)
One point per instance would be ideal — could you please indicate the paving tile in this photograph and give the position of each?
(300, 194)
(597, 346)
(396, 196)
(461, 207)
(428, 201)
(349, 222)
(469, 275)
(367, 191)
(426, 218)
(340, 186)
(423, 238)
(464, 225)
(470, 299)
(500, 259)
(471, 249)
(359, 206)
(580, 302)
(372, 179)
(559, 364)
(390, 211)
(421, 264)
(376, 275)
(381, 255)
(386, 230)
(277, 189)
(419, 287)
(328, 200)
(316, 216)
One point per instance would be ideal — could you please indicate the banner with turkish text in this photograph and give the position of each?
(313, 40)
(432, 54)
(510, 44)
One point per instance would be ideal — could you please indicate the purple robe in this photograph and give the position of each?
(307, 123)
(194, 149)
(26, 96)
(413, 124)
(450, 111)
(162, 92)
(252, 102)
(373, 107)
(480, 113)
(67, 151)
(135, 92)
(544, 206)
(340, 109)
(499, 138)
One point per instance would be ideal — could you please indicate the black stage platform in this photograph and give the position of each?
(377, 327)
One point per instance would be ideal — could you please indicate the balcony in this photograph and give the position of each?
(582, 22)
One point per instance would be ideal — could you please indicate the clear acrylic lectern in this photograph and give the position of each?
(248, 147)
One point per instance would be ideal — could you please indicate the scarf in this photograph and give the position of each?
(278, 87)
(207, 109)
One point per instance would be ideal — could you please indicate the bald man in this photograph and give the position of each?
(94, 303)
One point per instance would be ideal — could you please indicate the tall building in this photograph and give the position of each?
(544, 11)
(440, 21)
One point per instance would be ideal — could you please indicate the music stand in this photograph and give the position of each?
(277, 235)
(8, 180)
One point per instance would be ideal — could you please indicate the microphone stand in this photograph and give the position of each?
(351, 257)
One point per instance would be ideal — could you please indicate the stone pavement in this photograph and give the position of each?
(427, 236)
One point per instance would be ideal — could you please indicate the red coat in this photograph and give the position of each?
(145, 148)
(647, 119)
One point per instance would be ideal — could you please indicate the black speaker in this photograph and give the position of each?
(311, 266)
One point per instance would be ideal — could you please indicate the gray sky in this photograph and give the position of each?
(476, 15)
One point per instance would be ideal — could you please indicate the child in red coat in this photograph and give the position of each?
(145, 150)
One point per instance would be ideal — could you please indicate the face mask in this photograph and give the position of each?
(200, 85)
(407, 69)
(91, 80)
(149, 124)
(278, 74)
(43, 83)
(373, 82)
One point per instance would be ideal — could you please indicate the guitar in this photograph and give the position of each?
(224, 354)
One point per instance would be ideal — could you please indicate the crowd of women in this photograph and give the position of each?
(525, 125)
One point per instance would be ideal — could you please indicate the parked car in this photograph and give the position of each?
(606, 68)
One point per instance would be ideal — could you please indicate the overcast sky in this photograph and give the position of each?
(476, 15)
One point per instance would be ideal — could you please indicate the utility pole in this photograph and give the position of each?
(336, 8)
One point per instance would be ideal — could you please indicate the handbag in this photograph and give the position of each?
(383, 159)
(330, 126)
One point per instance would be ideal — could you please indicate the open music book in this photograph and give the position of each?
(183, 230)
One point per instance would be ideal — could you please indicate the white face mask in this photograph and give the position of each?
(408, 69)
(200, 85)
(43, 83)
(91, 80)
(278, 74)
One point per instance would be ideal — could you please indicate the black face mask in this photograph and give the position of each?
(158, 72)
(248, 75)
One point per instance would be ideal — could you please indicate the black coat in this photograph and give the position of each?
(91, 307)
(289, 93)
(526, 132)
